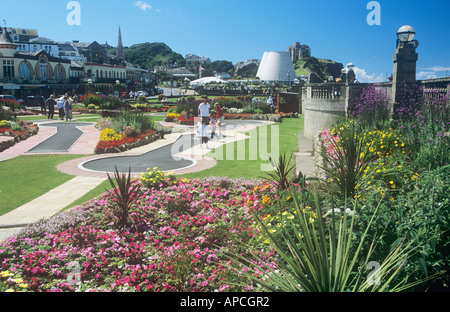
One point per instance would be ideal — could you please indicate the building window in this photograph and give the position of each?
(25, 70)
(60, 72)
(8, 69)
(43, 69)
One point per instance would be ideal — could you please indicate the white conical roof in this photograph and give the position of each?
(276, 66)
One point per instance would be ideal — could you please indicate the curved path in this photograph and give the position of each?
(162, 158)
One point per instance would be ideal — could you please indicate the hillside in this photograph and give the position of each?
(321, 69)
(149, 55)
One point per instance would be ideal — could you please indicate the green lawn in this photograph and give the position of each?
(233, 167)
(25, 178)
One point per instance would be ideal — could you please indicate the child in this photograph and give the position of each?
(198, 132)
(204, 133)
(213, 127)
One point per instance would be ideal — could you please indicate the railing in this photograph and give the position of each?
(327, 91)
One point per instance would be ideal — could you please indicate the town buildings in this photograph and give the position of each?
(192, 59)
(33, 65)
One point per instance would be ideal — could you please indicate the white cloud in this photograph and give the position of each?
(426, 75)
(143, 6)
(363, 76)
(438, 68)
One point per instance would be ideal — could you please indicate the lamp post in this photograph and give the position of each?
(118, 88)
(186, 81)
(405, 59)
(90, 85)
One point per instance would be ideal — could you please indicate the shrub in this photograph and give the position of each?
(142, 99)
(91, 99)
(137, 120)
(371, 107)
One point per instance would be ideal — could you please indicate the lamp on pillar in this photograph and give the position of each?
(405, 59)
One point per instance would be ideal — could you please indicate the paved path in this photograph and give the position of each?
(65, 137)
(186, 156)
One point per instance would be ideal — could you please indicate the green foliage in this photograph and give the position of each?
(346, 160)
(136, 120)
(248, 71)
(149, 55)
(319, 255)
(284, 171)
(422, 213)
(319, 67)
(217, 66)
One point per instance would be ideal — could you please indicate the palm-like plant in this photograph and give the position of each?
(284, 170)
(125, 194)
(346, 160)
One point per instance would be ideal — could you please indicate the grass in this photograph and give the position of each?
(25, 178)
(234, 168)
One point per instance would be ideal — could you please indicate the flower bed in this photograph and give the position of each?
(117, 143)
(181, 231)
(18, 131)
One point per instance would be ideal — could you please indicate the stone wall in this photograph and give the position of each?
(322, 104)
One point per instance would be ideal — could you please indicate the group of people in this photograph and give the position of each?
(64, 105)
(209, 119)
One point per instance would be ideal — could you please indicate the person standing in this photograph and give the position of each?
(61, 108)
(203, 111)
(51, 106)
(67, 108)
(42, 104)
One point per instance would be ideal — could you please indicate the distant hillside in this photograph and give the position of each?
(321, 69)
(149, 55)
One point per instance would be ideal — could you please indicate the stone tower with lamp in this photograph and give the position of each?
(405, 59)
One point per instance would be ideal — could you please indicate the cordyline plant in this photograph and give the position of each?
(124, 196)
(319, 256)
(350, 158)
(284, 169)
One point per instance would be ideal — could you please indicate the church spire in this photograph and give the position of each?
(119, 45)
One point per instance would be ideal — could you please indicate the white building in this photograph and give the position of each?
(276, 67)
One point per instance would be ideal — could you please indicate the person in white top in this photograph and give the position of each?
(203, 109)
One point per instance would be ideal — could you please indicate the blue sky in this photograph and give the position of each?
(237, 30)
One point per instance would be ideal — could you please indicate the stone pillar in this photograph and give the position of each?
(405, 59)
